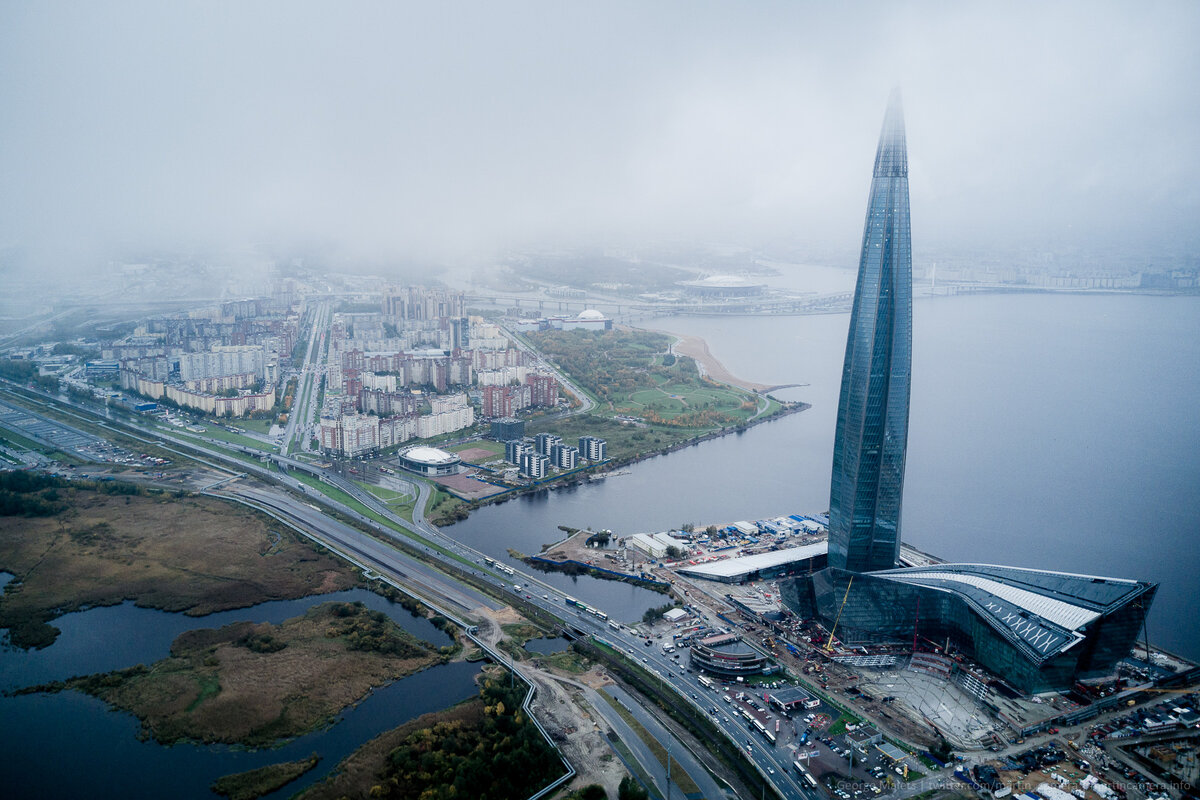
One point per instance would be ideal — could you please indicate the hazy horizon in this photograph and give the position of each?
(402, 133)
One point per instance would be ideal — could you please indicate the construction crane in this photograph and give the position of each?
(829, 644)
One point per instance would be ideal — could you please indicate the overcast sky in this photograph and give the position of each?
(457, 130)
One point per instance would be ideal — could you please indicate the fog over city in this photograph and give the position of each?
(453, 133)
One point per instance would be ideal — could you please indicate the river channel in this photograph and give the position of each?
(71, 745)
(1047, 430)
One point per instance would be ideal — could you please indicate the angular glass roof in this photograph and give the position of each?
(1040, 610)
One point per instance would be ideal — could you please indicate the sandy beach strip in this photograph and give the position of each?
(697, 348)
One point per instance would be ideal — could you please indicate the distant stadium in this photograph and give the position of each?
(723, 286)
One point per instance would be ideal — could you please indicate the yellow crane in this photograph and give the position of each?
(829, 644)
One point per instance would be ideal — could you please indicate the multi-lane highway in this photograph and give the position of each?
(308, 380)
(773, 764)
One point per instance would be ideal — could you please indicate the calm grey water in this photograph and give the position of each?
(1053, 431)
(71, 745)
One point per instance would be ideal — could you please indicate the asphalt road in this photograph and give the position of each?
(709, 787)
(366, 549)
(773, 765)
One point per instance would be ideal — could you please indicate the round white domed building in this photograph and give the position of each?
(589, 320)
(429, 461)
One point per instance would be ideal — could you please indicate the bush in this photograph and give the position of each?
(630, 789)
(653, 614)
(504, 756)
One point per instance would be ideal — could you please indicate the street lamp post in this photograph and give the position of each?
(668, 770)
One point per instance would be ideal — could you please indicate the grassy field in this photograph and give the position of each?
(256, 683)
(264, 780)
(105, 549)
(838, 726)
(213, 431)
(495, 448)
(567, 661)
(633, 373)
(262, 426)
(337, 494)
(400, 503)
(695, 404)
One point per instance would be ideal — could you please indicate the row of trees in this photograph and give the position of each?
(25, 372)
(29, 494)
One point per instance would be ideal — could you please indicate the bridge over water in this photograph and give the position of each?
(812, 304)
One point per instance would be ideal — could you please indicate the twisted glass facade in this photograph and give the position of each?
(1036, 629)
(872, 419)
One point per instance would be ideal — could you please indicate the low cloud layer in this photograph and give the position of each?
(452, 131)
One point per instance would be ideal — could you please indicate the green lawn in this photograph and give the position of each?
(400, 503)
(334, 493)
(215, 431)
(262, 426)
(669, 401)
(839, 725)
(495, 448)
(627, 372)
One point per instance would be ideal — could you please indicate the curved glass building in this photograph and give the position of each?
(1037, 629)
(872, 419)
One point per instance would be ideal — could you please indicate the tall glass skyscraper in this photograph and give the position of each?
(1037, 629)
(872, 419)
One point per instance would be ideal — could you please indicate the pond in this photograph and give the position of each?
(547, 646)
(71, 745)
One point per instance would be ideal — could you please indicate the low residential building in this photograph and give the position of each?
(534, 466)
(593, 448)
(514, 449)
(542, 442)
(564, 456)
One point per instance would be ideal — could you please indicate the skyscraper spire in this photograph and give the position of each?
(872, 420)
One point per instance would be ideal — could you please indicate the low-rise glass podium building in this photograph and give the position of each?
(1037, 630)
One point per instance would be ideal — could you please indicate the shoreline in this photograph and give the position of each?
(693, 347)
(696, 348)
(786, 409)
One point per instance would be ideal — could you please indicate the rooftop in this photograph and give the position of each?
(1040, 610)
(429, 455)
(721, 282)
(789, 695)
(746, 564)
